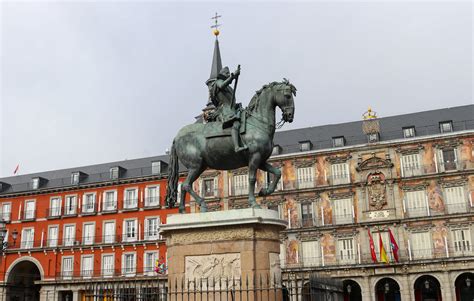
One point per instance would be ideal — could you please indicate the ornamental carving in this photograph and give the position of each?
(213, 266)
(452, 143)
(409, 150)
(223, 235)
(376, 190)
(374, 163)
(304, 163)
(338, 159)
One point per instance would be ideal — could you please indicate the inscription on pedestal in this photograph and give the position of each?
(213, 266)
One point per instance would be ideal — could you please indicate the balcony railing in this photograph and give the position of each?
(28, 215)
(89, 209)
(457, 207)
(109, 206)
(53, 212)
(130, 204)
(106, 273)
(343, 219)
(305, 184)
(417, 212)
(6, 216)
(152, 201)
(70, 210)
(339, 179)
(425, 169)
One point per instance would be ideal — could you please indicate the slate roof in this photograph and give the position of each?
(425, 123)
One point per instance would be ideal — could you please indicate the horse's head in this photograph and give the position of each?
(284, 100)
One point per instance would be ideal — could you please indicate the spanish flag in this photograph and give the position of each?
(383, 253)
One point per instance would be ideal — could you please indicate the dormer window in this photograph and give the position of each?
(276, 150)
(373, 137)
(75, 178)
(446, 126)
(156, 167)
(114, 173)
(3, 186)
(35, 183)
(409, 132)
(305, 146)
(338, 141)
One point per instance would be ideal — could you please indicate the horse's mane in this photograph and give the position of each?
(253, 104)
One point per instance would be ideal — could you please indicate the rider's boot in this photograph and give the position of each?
(235, 137)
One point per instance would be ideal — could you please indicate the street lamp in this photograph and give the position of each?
(427, 284)
(468, 282)
(349, 288)
(387, 287)
(14, 236)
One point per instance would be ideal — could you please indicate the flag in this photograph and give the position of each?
(393, 245)
(372, 247)
(16, 169)
(383, 253)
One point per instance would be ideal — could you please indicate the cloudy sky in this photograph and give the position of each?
(99, 81)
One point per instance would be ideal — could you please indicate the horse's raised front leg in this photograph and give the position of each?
(187, 186)
(254, 163)
(276, 172)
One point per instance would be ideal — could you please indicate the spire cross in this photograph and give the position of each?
(216, 25)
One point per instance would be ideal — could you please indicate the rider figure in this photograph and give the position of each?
(221, 95)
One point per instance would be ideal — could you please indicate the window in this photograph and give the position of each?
(109, 232)
(156, 167)
(373, 137)
(305, 146)
(130, 230)
(67, 267)
(152, 196)
(241, 184)
(75, 178)
(276, 150)
(386, 244)
(340, 173)
(55, 207)
(108, 265)
(69, 235)
(446, 127)
(88, 234)
(35, 183)
(152, 226)
(53, 232)
(110, 201)
(6, 211)
(128, 264)
(311, 253)
(131, 198)
(305, 177)
(462, 241)
(114, 173)
(27, 238)
(269, 178)
(410, 165)
(346, 251)
(209, 187)
(30, 210)
(421, 245)
(338, 141)
(416, 203)
(409, 132)
(456, 201)
(343, 211)
(87, 266)
(88, 203)
(448, 158)
(307, 214)
(150, 262)
(70, 205)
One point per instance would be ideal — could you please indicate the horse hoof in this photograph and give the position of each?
(203, 209)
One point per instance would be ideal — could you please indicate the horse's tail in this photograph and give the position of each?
(173, 174)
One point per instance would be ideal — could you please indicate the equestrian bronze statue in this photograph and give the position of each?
(235, 138)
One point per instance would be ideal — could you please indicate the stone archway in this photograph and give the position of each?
(21, 279)
(352, 290)
(387, 289)
(464, 285)
(427, 288)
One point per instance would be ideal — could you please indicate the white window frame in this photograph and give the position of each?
(456, 199)
(152, 201)
(149, 270)
(267, 181)
(343, 212)
(340, 173)
(27, 241)
(443, 162)
(52, 243)
(55, 211)
(69, 241)
(67, 274)
(109, 238)
(409, 132)
(130, 203)
(410, 165)
(146, 225)
(75, 178)
(107, 271)
(338, 141)
(416, 203)
(7, 216)
(35, 183)
(156, 167)
(125, 237)
(114, 173)
(67, 200)
(421, 247)
(305, 177)
(111, 206)
(29, 214)
(346, 256)
(129, 271)
(240, 184)
(87, 273)
(311, 253)
(462, 246)
(89, 239)
(443, 123)
(85, 208)
(215, 183)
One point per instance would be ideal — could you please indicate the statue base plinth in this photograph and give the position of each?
(238, 246)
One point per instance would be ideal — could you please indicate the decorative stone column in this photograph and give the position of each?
(208, 248)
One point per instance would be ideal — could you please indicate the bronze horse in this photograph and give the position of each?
(196, 151)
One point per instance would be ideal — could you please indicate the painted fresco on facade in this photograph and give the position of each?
(321, 169)
(329, 248)
(291, 208)
(439, 233)
(428, 159)
(327, 209)
(292, 252)
(435, 197)
(289, 175)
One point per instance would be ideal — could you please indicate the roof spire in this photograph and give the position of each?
(216, 59)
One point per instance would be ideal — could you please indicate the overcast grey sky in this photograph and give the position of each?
(100, 81)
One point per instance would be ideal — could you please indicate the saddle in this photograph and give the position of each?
(214, 129)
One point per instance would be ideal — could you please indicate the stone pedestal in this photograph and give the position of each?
(207, 249)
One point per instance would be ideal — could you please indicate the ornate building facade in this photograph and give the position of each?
(407, 181)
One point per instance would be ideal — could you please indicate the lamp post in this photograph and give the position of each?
(427, 284)
(468, 282)
(349, 290)
(14, 236)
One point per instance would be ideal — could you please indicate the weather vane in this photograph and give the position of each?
(216, 25)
